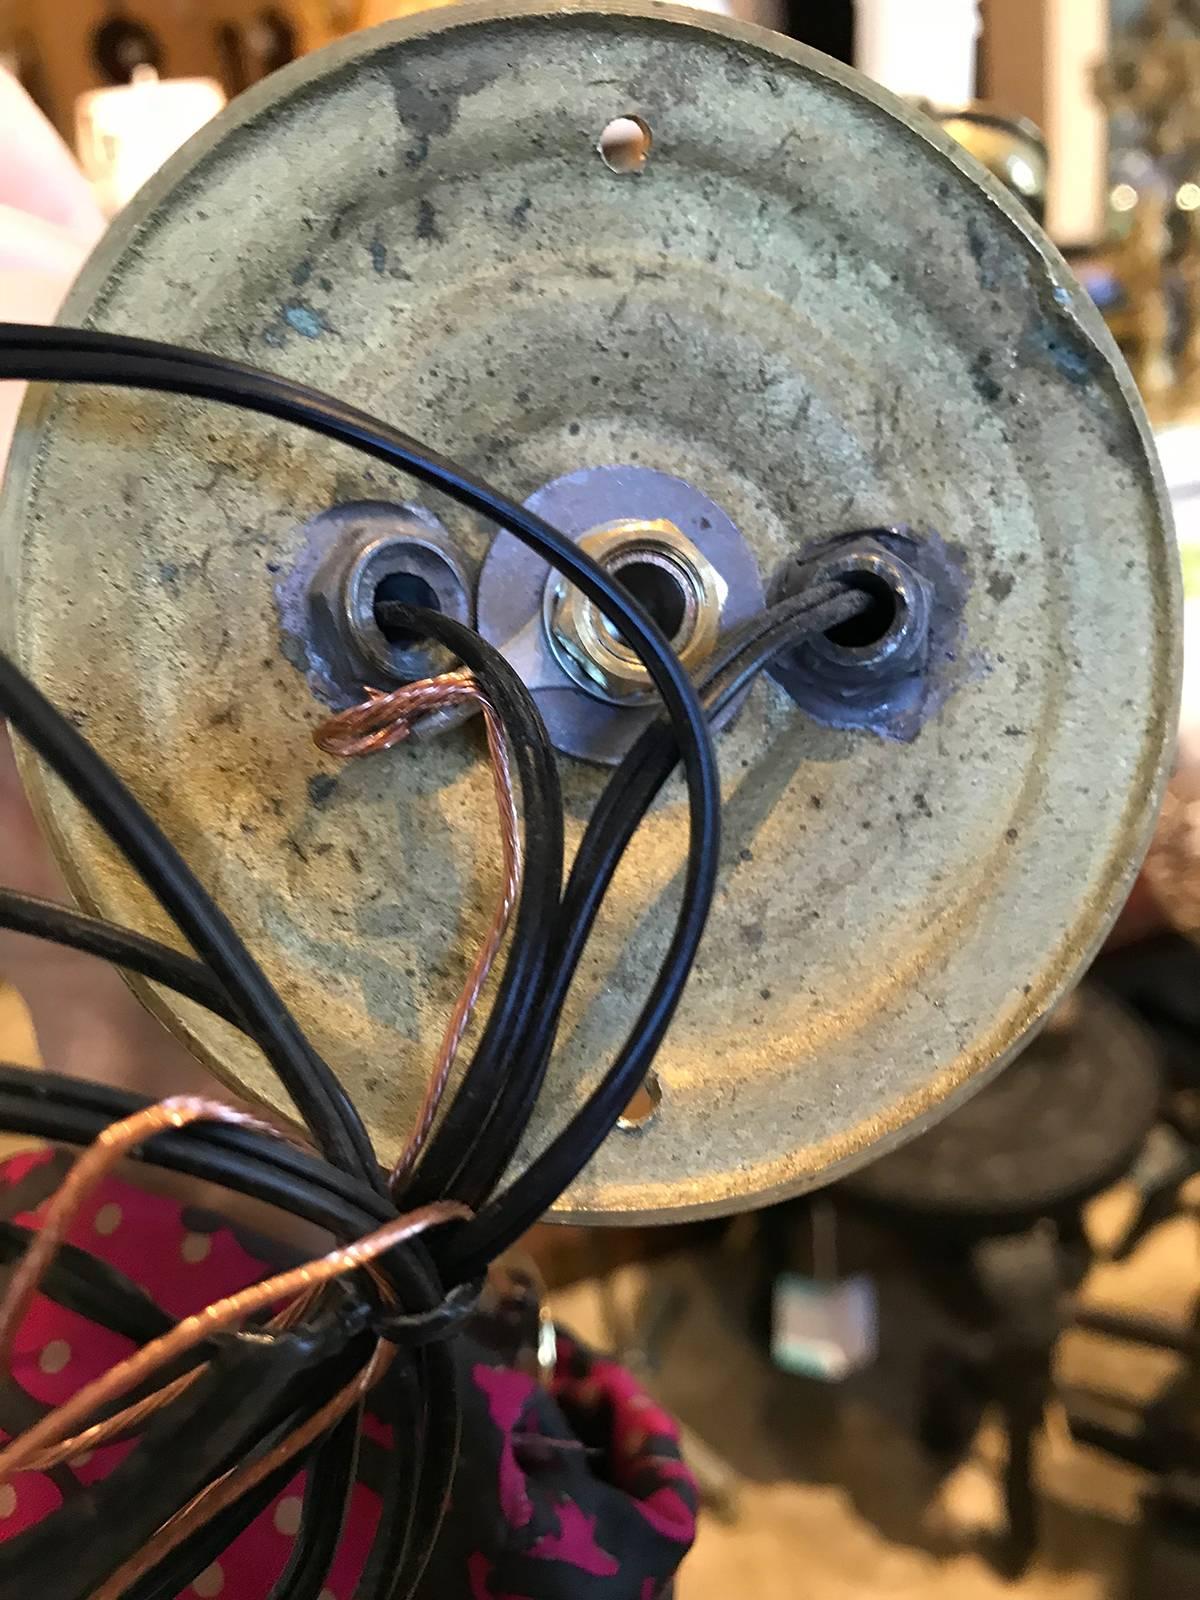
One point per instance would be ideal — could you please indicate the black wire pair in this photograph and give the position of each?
(482, 1126)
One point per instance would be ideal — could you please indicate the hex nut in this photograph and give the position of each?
(590, 650)
(343, 631)
(890, 681)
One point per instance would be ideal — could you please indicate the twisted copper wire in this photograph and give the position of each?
(132, 1417)
(223, 1491)
(111, 1146)
(378, 723)
(233, 1309)
(121, 1422)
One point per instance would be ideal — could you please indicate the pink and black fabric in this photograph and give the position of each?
(577, 1491)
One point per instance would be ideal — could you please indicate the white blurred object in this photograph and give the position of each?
(1075, 122)
(922, 48)
(1179, 452)
(123, 135)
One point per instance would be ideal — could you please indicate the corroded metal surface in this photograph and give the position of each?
(808, 304)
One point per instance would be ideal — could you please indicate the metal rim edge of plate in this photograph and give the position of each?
(839, 1152)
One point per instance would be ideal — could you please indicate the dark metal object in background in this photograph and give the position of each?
(989, 1206)
(1065, 1120)
(120, 46)
(1011, 148)
(828, 26)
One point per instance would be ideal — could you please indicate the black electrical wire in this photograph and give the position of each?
(251, 1387)
(59, 924)
(401, 1403)
(72, 356)
(440, 1447)
(624, 802)
(320, 1099)
(179, 1568)
(266, 1169)
(69, 1111)
(328, 1486)
(486, 1141)
(468, 1158)
(209, 1541)
(529, 950)
(91, 1288)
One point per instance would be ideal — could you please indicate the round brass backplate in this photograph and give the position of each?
(808, 303)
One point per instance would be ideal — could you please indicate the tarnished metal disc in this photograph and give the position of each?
(808, 304)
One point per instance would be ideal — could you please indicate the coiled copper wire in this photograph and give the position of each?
(379, 723)
(228, 1312)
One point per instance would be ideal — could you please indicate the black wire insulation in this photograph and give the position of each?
(320, 1099)
(529, 951)
(250, 1385)
(627, 797)
(328, 1487)
(484, 1134)
(91, 1288)
(67, 355)
(59, 924)
(177, 1570)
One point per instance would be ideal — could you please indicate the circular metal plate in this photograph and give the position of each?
(810, 305)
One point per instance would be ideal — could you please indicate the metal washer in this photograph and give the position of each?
(513, 579)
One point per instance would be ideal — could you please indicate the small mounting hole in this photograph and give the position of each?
(658, 591)
(642, 1107)
(625, 144)
(877, 621)
(405, 589)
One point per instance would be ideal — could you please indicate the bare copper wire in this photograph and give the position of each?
(233, 1309)
(132, 1417)
(109, 1147)
(379, 723)
(121, 1422)
(223, 1491)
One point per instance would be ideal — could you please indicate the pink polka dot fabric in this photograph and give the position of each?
(579, 1492)
(147, 1237)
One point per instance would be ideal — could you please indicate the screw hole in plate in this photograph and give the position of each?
(643, 1107)
(625, 144)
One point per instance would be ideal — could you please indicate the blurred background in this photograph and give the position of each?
(974, 1369)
